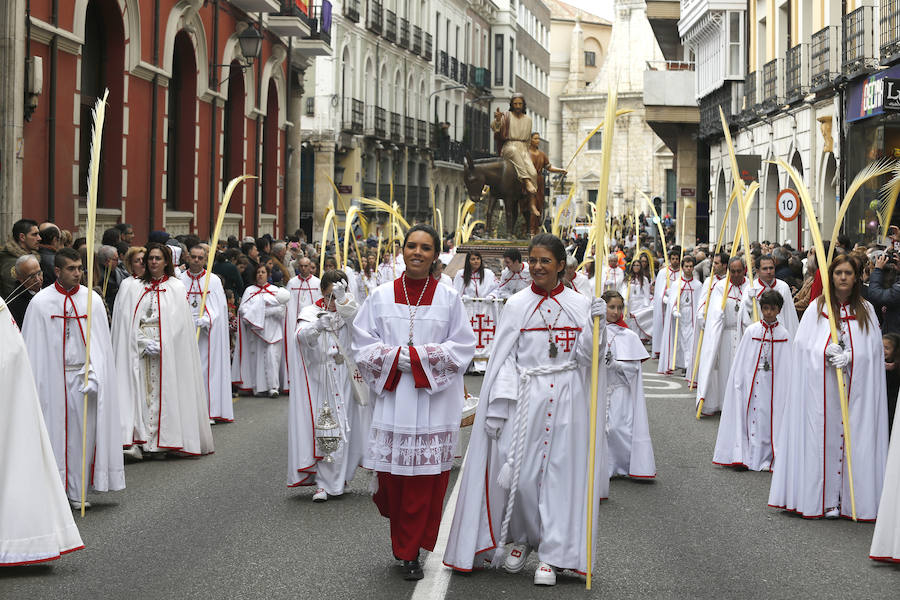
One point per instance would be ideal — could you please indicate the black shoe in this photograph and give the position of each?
(412, 570)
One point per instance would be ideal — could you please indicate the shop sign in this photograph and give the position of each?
(748, 166)
(891, 95)
(867, 97)
(688, 192)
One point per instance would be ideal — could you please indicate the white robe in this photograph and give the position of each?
(476, 288)
(511, 282)
(483, 315)
(214, 345)
(583, 285)
(330, 376)
(368, 283)
(390, 269)
(551, 502)
(611, 279)
(638, 307)
(755, 396)
(628, 430)
(36, 523)
(256, 365)
(54, 332)
(886, 539)
(809, 470)
(664, 279)
(788, 315)
(303, 293)
(415, 430)
(684, 295)
(721, 336)
(165, 408)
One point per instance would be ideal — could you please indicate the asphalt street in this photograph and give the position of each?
(226, 526)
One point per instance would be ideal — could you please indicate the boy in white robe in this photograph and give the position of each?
(54, 331)
(664, 279)
(514, 277)
(36, 524)
(612, 276)
(680, 318)
(628, 430)
(637, 291)
(766, 280)
(304, 289)
(327, 376)
(722, 334)
(213, 342)
(756, 392)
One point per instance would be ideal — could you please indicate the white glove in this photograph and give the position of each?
(274, 309)
(598, 308)
(493, 427)
(339, 291)
(322, 323)
(201, 322)
(466, 298)
(701, 321)
(404, 363)
(92, 386)
(151, 348)
(837, 356)
(676, 313)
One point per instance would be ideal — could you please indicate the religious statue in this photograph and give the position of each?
(541, 161)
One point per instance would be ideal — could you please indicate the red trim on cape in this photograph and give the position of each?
(418, 371)
(41, 560)
(393, 377)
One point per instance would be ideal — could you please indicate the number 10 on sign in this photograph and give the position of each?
(788, 204)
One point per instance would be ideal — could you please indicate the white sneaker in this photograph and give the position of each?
(516, 558)
(76, 504)
(320, 495)
(832, 513)
(273, 393)
(545, 575)
(134, 452)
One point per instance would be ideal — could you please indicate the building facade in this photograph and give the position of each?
(187, 110)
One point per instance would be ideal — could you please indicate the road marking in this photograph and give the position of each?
(670, 395)
(437, 577)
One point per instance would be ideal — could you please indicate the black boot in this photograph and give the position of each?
(412, 570)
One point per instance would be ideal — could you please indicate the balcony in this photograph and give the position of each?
(858, 54)
(384, 192)
(471, 80)
(421, 134)
(823, 58)
(390, 26)
(319, 21)
(454, 69)
(399, 193)
(728, 98)
(751, 98)
(353, 115)
(427, 50)
(395, 127)
(375, 17)
(772, 86)
(482, 78)
(351, 10)
(409, 131)
(376, 124)
(796, 73)
(370, 189)
(291, 21)
(404, 34)
(257, 6)
(416, 40)
(449, 151)
(464, 73)
(441, 65)
(890, 30)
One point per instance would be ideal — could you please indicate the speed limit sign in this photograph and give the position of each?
(788, 204)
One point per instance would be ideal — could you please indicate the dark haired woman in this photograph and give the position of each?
(637, 292)
(158, 363)
(412, 342)
(810, 475)
(525, 480)
(256, 364)
(327, 381)
(475, 281)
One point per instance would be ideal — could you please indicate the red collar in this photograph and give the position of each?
(620, 323)
(765, 285)
(769, 327)
(542, 292)
(64, 292)
(198, 276)
(414, 287)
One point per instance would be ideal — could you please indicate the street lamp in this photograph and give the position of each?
(250, 42)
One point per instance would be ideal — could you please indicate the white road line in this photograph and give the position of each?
(437, 577)
(646, 395)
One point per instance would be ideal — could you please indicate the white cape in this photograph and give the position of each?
(886, 539)
(687, 327)
(664, 279)
(788, 315)
(721, 337)
(258, 359)
(476, 288)
(36, 522)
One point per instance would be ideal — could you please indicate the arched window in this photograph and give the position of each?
(270, 152)
(181, 131)
(233, 124)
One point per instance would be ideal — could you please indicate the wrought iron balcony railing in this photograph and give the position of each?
(772, 85)
(416, 40)
(409, 131)
(375, 16)
(421, 133)
(390, 26)
(442, 64)
(890, 30)
(751, 98)
(379, 122)
(395, 127)
(796, 73)
(427, 50)
(482, 77)
(464, 73)
(351, 10)
(823, 58)
(858, 54)
(353, 115)
(403, 42)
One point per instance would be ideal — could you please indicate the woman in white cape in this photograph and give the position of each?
(525, 479)
(256, 364)
(810, 475)
(638, 294)
(326, 375)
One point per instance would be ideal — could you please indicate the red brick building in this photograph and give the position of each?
(186, 111)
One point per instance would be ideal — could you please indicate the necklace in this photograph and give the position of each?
(412, 309)
(609, 354)
(553, 351)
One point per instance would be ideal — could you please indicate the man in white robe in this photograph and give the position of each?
(514, 276)
(677, 337)
(329, 379)
(158, 363)
(766, 280)
(580, 282)
(612, 276)
(722, 334)
(304, 290)
(756, 392)
(531, 428)
(392, 265)
(36, 523)
(665, 278)
(54, 332)
(214, 335)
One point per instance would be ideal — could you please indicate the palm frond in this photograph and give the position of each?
(871, 171)
(888, 200)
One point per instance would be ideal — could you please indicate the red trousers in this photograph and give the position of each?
(414, 505)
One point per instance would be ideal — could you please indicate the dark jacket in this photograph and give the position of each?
(19, 305)
(48, 263)
(886, 301)
(9, 254)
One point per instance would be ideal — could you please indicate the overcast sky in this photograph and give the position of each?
(603, 8)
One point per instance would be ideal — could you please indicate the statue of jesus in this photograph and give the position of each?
(512, 130)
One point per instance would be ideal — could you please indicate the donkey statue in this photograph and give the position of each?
(500, 175)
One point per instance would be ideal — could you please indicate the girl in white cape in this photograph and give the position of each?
(637, 293)
(525, 479)
(326, 376)
(810, 475)
(628, 431)
(475, 280)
